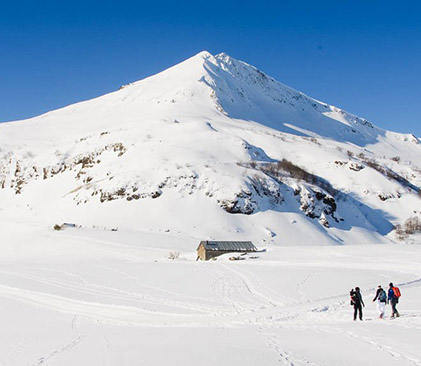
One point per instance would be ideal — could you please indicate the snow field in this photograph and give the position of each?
(89, 296)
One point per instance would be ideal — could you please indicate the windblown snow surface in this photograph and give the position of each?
(210, 149)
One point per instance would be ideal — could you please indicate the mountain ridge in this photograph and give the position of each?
(216, 135)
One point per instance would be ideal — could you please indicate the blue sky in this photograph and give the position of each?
(363, 56)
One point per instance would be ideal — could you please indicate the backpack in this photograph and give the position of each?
(396, 292)
(382, 296)
(352, 298)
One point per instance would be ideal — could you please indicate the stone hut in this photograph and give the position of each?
(211, 249)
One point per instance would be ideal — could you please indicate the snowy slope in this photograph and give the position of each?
(95, 297)
(195, 150)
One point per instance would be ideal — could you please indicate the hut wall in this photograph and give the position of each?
(216, 253)
(201, 253)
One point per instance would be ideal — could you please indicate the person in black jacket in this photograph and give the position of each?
(357, 302)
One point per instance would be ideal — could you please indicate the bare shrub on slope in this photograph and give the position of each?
(389, 173)
(411, 226)
(316, 200)
(279, 169)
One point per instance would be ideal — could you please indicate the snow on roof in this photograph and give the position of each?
(237, 246)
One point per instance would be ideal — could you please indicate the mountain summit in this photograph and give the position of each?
(212, 148)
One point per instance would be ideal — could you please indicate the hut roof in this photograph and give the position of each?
(229, 246)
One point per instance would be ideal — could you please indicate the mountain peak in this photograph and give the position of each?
(218, 136)
(204, 54)
(224, 57)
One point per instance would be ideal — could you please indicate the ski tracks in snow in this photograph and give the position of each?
(266, 296)
(66, 347)
(243, 291)
(300, 285)
(286, 357)
(241, 298)
(379, 345)
(84, 287)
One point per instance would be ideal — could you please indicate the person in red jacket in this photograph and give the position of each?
(393, 300)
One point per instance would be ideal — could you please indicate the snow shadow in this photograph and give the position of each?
(257, 154)
(246, 93)
(348, 205)
(350, 212)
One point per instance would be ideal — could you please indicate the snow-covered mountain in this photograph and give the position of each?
(212, 148)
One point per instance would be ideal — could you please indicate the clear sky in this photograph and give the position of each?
(363, 56)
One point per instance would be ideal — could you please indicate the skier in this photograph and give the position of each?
(357, 302)
(381, 301)
(393, 297)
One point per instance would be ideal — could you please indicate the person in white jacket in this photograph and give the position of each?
(381, 298)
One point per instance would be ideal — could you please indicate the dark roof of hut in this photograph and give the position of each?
(229, 246)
